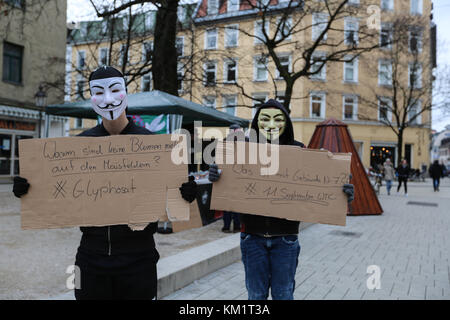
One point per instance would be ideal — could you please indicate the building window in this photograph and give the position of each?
(415, 75)
(179, 44)
(181, 13)
(231, 36)
(387, 5)
(12, 62)
(16, 3)
(351, 27)
(211, 39)
(259, 33)
(319, 25)
(80, 89)
(280, 97)
(78, 123)
(147, 51)
(350, 107)
(209, 101)
(81, 60)
(285, 61)
(386, 36)
(104, 56)
(351, 70)
(233, 5)
(260, 69)
(317, 60)
(149, 22)
(353, 2)
(180, 77)
(258, 99)
(210, 74)
(284, 29)
(229, 104)
(385, 72)
(105, 26)
(413, 117)
(416, 6)
(122, 53)
(230, 71)
(146, 82)
(415, 40)
(384, 109)
(317, 105)
(213, 6)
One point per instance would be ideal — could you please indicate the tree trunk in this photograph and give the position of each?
(288, 95)
(164, 64)
(399, 147)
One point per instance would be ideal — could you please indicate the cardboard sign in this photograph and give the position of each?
(98, 181)
(306, 187)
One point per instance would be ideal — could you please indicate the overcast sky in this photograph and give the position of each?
(78, 10)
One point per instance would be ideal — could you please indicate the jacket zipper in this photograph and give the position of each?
(109, 240)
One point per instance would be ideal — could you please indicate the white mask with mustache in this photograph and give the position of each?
(108, 97)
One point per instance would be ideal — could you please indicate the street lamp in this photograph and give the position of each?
(41, 100)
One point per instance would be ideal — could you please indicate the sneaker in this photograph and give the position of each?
(406, 194)
(226, 230)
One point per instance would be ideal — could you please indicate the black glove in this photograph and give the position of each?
(189, 190)
(349, 190)
(20, 186)
(214, 173)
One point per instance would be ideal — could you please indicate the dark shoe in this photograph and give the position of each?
(226, 230)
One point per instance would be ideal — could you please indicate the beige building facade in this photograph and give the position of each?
(223, 65)
(32, 54)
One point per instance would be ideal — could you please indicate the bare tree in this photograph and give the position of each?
(402, 90)
(164, 55)
(311, 27)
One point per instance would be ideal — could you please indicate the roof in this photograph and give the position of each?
(155, 103)
(333, 135)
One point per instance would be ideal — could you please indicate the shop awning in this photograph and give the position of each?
(154, 103)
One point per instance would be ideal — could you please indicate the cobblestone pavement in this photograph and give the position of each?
(408, 243)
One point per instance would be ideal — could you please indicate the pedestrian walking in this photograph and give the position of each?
(436, 173)
(403, 174)
(389, 174)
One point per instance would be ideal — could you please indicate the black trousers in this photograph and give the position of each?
(134, 286)
(404, 180)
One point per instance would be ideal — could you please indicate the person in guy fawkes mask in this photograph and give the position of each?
(115, 262)
(269, 245)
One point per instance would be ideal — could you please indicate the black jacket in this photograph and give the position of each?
(269, 225)
(403, 172)
(436, 171)
(118, 239)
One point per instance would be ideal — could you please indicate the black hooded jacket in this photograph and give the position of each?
(117, 248)
(262, 225)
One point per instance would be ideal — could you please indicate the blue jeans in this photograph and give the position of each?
(388, 186)
(270, 263)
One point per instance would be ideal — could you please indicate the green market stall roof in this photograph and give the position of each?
(154, 103)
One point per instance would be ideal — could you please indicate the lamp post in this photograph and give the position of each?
(40, 100)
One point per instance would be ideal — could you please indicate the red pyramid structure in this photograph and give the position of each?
(333, 135)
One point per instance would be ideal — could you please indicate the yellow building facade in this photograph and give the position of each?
(222, 66)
